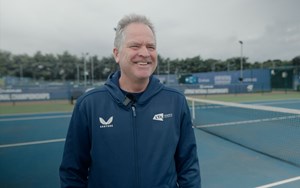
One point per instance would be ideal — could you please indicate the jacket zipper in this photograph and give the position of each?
(137, 178)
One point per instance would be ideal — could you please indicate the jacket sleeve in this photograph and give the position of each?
(186, 158)
(76, 159)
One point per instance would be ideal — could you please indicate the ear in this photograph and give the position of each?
(116, 55)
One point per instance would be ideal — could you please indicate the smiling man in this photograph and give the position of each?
(133, 132)
(135, 52)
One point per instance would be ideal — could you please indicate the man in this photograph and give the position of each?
(133, 132)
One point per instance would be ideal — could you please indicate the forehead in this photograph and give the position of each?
(138, 32)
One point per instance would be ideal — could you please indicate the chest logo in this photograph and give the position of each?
(161, 116)
(106, 124)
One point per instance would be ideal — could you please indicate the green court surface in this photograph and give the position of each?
(65, 106)
(7, 108)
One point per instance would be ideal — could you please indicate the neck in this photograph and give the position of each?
(133, 86)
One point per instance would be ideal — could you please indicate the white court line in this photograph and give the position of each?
(279, 182)
(248, 121)
(32, 118)
(32, 143)
(45, 113)
(241, 105)
(290, 101)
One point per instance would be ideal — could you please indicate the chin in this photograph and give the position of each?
(143, 73)
(143, 76)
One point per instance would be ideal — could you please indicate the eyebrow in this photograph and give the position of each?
(138, 43)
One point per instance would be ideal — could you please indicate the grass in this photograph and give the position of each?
(65, 106)
(35, 107)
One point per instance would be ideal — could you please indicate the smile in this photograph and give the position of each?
(143, 63)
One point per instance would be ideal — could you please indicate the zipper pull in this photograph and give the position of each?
(133, 110)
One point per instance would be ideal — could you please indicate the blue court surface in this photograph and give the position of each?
(31, 147)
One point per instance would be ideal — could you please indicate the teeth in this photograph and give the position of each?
(143, 63)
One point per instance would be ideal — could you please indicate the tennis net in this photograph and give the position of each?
(272, 131)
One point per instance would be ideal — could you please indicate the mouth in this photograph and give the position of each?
(143, 63)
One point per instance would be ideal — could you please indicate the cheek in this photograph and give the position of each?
(122, 58)
(154, 57)
(127, 56)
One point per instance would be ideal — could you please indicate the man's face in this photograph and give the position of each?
(137, 56)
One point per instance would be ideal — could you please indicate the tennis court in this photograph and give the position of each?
(253, 144)
(31, 147)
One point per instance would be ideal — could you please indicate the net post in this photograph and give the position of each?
(193, 110)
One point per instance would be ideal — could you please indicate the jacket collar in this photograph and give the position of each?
(112, 84)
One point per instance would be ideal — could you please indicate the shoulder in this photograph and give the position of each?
(172, 95)
(92, 94)
(173, 91)
(165, 88)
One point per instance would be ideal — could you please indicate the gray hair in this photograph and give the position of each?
(125, 21)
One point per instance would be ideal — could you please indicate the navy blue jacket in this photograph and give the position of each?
(116, 142)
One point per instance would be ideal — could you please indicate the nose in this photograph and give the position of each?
(143, 51)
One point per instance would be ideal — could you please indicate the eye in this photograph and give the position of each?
(134, 47)
(151, 47)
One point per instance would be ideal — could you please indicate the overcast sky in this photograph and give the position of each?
(269, 29)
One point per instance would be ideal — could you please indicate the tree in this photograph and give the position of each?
(235, 63)
(5, 63)
(65, 66)
(23, 62)
(296, 61)
(107, 66)
(211, 65)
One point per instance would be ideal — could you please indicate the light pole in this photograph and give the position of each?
(85, 72)
(21, 73)
(92, 70)
(168, 71)
(77, 66)
(241, 74)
